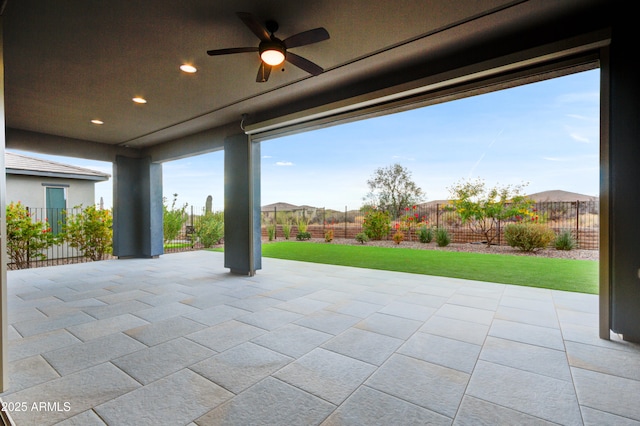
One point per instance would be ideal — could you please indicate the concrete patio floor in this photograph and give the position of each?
(180, 341)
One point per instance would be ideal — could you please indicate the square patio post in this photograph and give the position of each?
(621, 190)
(4, 325)
(137, 208)
(242, 235)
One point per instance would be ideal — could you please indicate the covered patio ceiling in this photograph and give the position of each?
(67, 64)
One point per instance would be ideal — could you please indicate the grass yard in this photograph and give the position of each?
(557, 274)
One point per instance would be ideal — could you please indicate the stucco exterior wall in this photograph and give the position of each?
(30, 191)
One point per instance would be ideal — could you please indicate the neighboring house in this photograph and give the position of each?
(44, 184)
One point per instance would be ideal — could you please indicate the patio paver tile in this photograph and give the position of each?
(456, 329)
(163, 331)
(540, 396)
(476, 412)
(366, 346)
(269, 402)
(526, 357)
(86, 418)
(40, 343)
(150, 364)
(38, 326)
(592, 417)
(436, 388)
(174, 400)
(81, 390)
(106, 326)
(527, 333)
(241, 367)
(269, 319)
(225, 335)
(328, 375)
(607, 393)
(370, 407)
(70, 359)
(292, 340)
(443, 351)
(328, 321)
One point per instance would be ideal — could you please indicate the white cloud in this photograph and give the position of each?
(284, 163)
(579, 138)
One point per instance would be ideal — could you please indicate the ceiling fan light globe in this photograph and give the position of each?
(272, 52)
(272, 57)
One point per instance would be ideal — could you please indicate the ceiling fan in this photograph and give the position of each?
(274, 51)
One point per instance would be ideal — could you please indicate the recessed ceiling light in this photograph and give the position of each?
(188, 68)
(139, 100)
(98, 122)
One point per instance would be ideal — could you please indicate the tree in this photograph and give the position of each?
(391, 189)
(482, 208)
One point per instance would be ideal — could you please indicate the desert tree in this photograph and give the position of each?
(392, 189)
(483, 208)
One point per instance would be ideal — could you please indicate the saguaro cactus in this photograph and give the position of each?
(209, 204)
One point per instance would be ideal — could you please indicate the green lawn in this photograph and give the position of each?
(558, 274)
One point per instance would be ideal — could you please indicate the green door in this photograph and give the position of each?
(56, 204)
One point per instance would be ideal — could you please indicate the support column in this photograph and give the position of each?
(137, 208)
(4, 324)
(242, 235)
(623, 109)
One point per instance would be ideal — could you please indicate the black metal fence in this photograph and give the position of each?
(24, 254)
(186, 240)
(581, 218)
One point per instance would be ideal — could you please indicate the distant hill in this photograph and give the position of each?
(559, 195)
(554, 195)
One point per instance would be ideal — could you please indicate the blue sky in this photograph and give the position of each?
(546, 134)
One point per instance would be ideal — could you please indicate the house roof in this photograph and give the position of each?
(18, 164)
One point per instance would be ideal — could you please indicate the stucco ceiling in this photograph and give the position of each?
(68, 62)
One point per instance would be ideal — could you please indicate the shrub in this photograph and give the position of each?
(286, 229)
(271, 231)
(442, 237)
(328, 236)
(565, 241)
(303, 236)
(173, 218)
(362, 238)
(26, 238)
(376, 224)
(91, 232)
(209, 230)
(398, 237)
(303, 224)
(425, 235)
(528, 236)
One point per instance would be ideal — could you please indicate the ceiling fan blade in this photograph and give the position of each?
(254, 25)
(306, 37)
(263, 73)
(304, 64)
(231, 50)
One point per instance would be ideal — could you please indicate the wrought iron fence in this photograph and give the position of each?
(581, 218)
(23, 256)
(187, 240)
